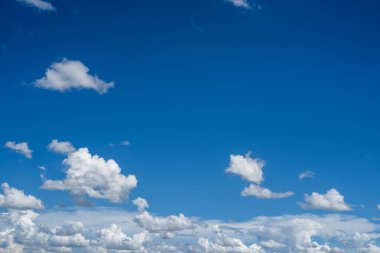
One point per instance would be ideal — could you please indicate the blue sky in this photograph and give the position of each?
(294, 82)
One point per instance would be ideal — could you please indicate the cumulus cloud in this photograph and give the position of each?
(13, 198)
(93, 176)
(250, 169)
(306, 174)
(240, 3)
(69, 74)
(21, 148)
(61, 147)
(141, 204)
(264, 193)
(332, 200)
(39, 4)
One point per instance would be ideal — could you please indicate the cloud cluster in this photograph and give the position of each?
(39, 4)
(96, 231)
(93, 176)
(68, 74)
(251, 169)
(61, 147)
(21, 148)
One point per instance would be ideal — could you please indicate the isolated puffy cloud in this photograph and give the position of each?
(306, 174)
(140, 203)
(21, 148)
(13, 198)
(91, 175)
(39, 4)
(240, 3)
(332, 200)
(264, 193)
(68, 74)
(250, 169)
(61, 147)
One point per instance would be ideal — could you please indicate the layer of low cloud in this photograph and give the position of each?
(13, 198)
(21, 148)
(240, 3)
(332, 200)
(39, 4)
(69, 74)
(264, 193)
(117, 231)
(306, 174)
(93, 176)
(61, 147)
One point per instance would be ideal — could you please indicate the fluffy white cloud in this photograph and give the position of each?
(163, 225)
(248, 168)
(39, 4)
(240, 3)
(306, 174)
(332, 200)
(61, 147)
(21, 148)
(264, 193)
(68, 74)
(251, 170)
(13, 198)
(228, 245)
(93, 176)
(141, 204)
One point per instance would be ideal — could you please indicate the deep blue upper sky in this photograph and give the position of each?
(296, 82)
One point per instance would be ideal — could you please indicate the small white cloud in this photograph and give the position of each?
(264, 193)
(247, 168)
(92, 175)
(378, 206)
(125, 143)
(331, 200)
(68, 74)
(13, 198)
(141, 204)
(240, 3)
(39, 4)
(21, 148)
(61, 147)
(306, 174)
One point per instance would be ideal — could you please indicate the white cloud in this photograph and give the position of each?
(240, 3)
(228, 245)
(93, 176)
(378, 207)
(61, 147)
(68, 74)
(141, 204)
(264, 193)
(21, 148)
(39, 4)
(250, 169)
(306, 174)
(125, 143)
(163, 225)
(332, 201)
(13, 198)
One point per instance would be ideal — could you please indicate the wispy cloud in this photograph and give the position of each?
(240, 3)
(306, 174)
(39, 4)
